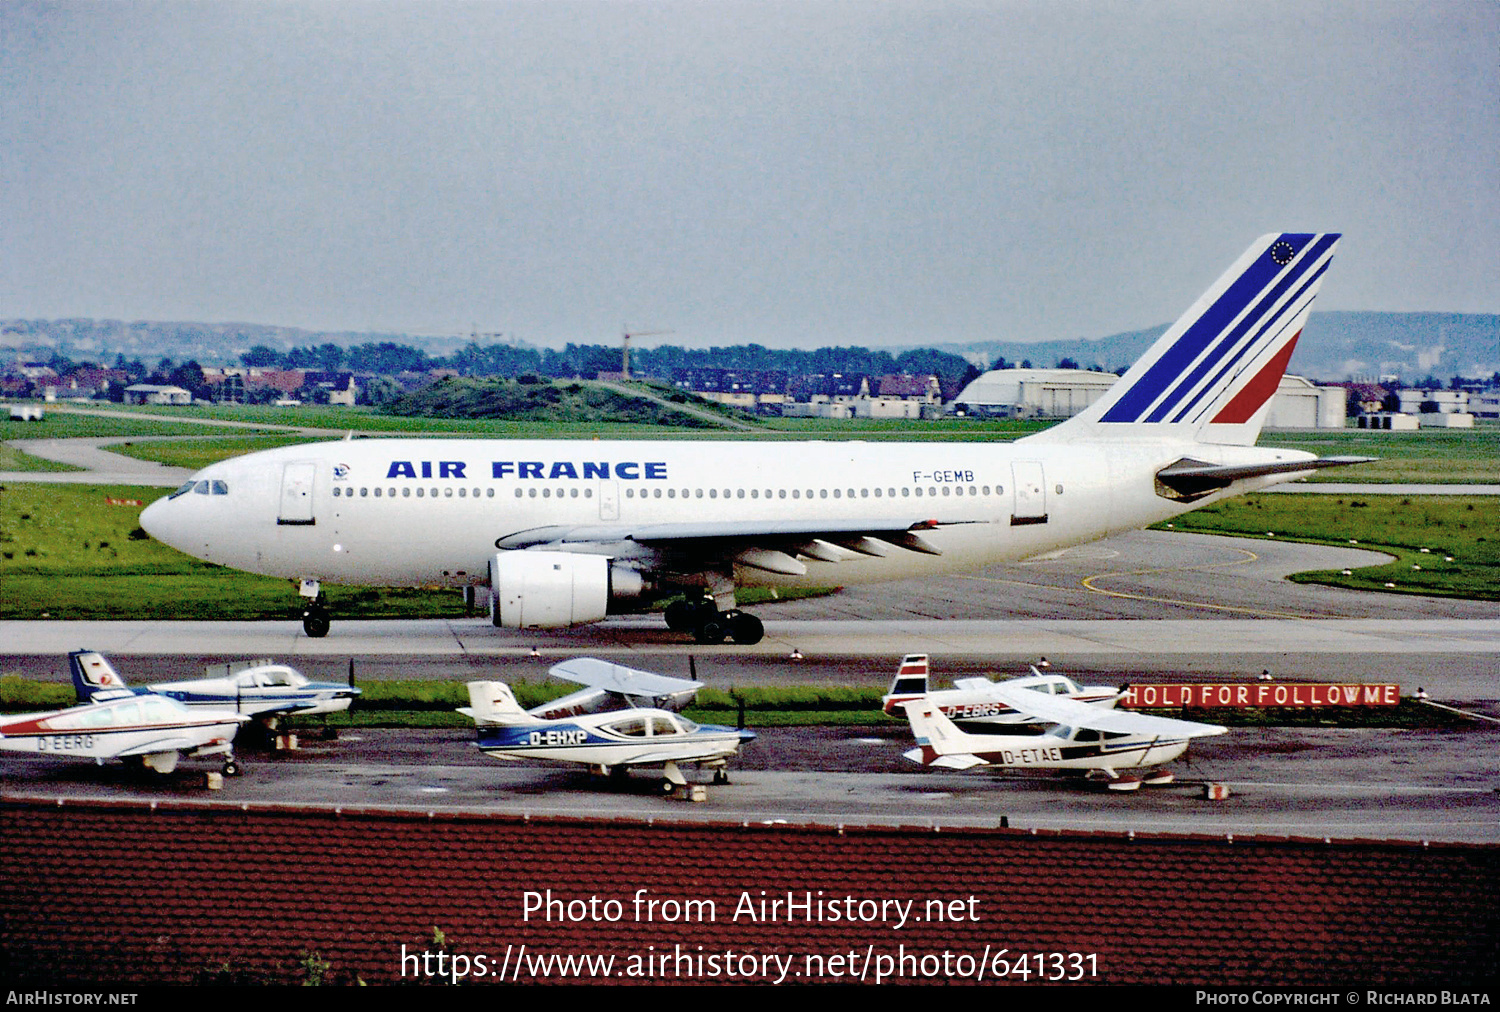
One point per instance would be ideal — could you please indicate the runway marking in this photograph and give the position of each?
(1249, 556)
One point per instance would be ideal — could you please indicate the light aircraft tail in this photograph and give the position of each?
(93, 676)
(937, 737)
(494, 703)
(910, 683)
(1211, 376)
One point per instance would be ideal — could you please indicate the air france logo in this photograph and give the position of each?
(550, 470)
(341, 471)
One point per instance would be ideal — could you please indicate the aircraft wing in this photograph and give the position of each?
(763, 544)
(1062, 710)
(175, 743)
(599, 674)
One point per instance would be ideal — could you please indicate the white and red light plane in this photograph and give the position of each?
(566, 532)
(1086, 738)
(972, 701)
(149, 730)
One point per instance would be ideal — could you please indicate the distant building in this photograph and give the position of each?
(1063, 393)
(1427, 402)
(151, 393)
(1392, 421)
(1033, 393)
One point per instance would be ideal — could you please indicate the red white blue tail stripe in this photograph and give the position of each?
(1222, 361)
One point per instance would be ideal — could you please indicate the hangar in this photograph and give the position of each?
(1062, 393)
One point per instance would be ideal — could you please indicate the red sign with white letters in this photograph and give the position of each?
(1212, 694)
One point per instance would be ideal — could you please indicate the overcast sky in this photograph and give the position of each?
(793, 174)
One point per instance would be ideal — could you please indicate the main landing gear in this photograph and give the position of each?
(710, 625)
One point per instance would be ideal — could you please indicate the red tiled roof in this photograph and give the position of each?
(174, 892)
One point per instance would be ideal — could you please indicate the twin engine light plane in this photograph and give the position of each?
(973, 701)
(604, 726)
(143, 730)
(261, 689)
(564, 533)
(1094, 740)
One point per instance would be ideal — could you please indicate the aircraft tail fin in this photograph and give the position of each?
(1211, 376)
(911, 682)
(936, 735)
(494, 703)
(93, 675)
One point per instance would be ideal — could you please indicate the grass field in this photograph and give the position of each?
(12, 459)
(1444, 545)
(1437, 456)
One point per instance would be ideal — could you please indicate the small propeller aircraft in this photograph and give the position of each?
(973, 701)
(1095, 740)
(144, 730)
(261, 689)
(605, 725)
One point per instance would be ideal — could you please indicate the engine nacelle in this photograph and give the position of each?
(550, 590)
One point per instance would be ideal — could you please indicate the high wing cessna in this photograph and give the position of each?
(567, 532)
(147, 730)
(1094, 740)
(973, 701)
(602, 725)
(262, 689)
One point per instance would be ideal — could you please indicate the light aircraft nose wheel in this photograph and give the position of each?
(666, 786)
(315, 621)
(232, 769)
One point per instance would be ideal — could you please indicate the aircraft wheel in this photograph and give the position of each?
(712, 629)
(679, 616)
(721, 776)
(666, 786)
(745, 629)
(232, 769)
(315, 621)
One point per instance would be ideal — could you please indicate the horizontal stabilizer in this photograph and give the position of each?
(957, 761)
(1191, 479)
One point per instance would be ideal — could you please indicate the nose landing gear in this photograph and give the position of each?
(315, 617)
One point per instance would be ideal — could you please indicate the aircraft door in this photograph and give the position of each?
(297, 494)
(609, 500)
(1030, 493)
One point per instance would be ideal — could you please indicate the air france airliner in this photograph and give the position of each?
(563, 532)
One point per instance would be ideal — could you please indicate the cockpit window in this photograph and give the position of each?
(201, 488)
(220, 486)
(183, 490)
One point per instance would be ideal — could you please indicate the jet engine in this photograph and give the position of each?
(549, 590)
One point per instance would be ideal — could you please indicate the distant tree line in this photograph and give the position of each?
(586, 361)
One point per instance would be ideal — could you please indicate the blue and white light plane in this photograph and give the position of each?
(1087, 738)
(563, 533)
(588, 728)
(264, 690)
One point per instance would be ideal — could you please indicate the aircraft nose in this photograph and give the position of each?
(153, 519)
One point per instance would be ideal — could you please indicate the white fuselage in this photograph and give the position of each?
(134, 725)
(424, 512)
